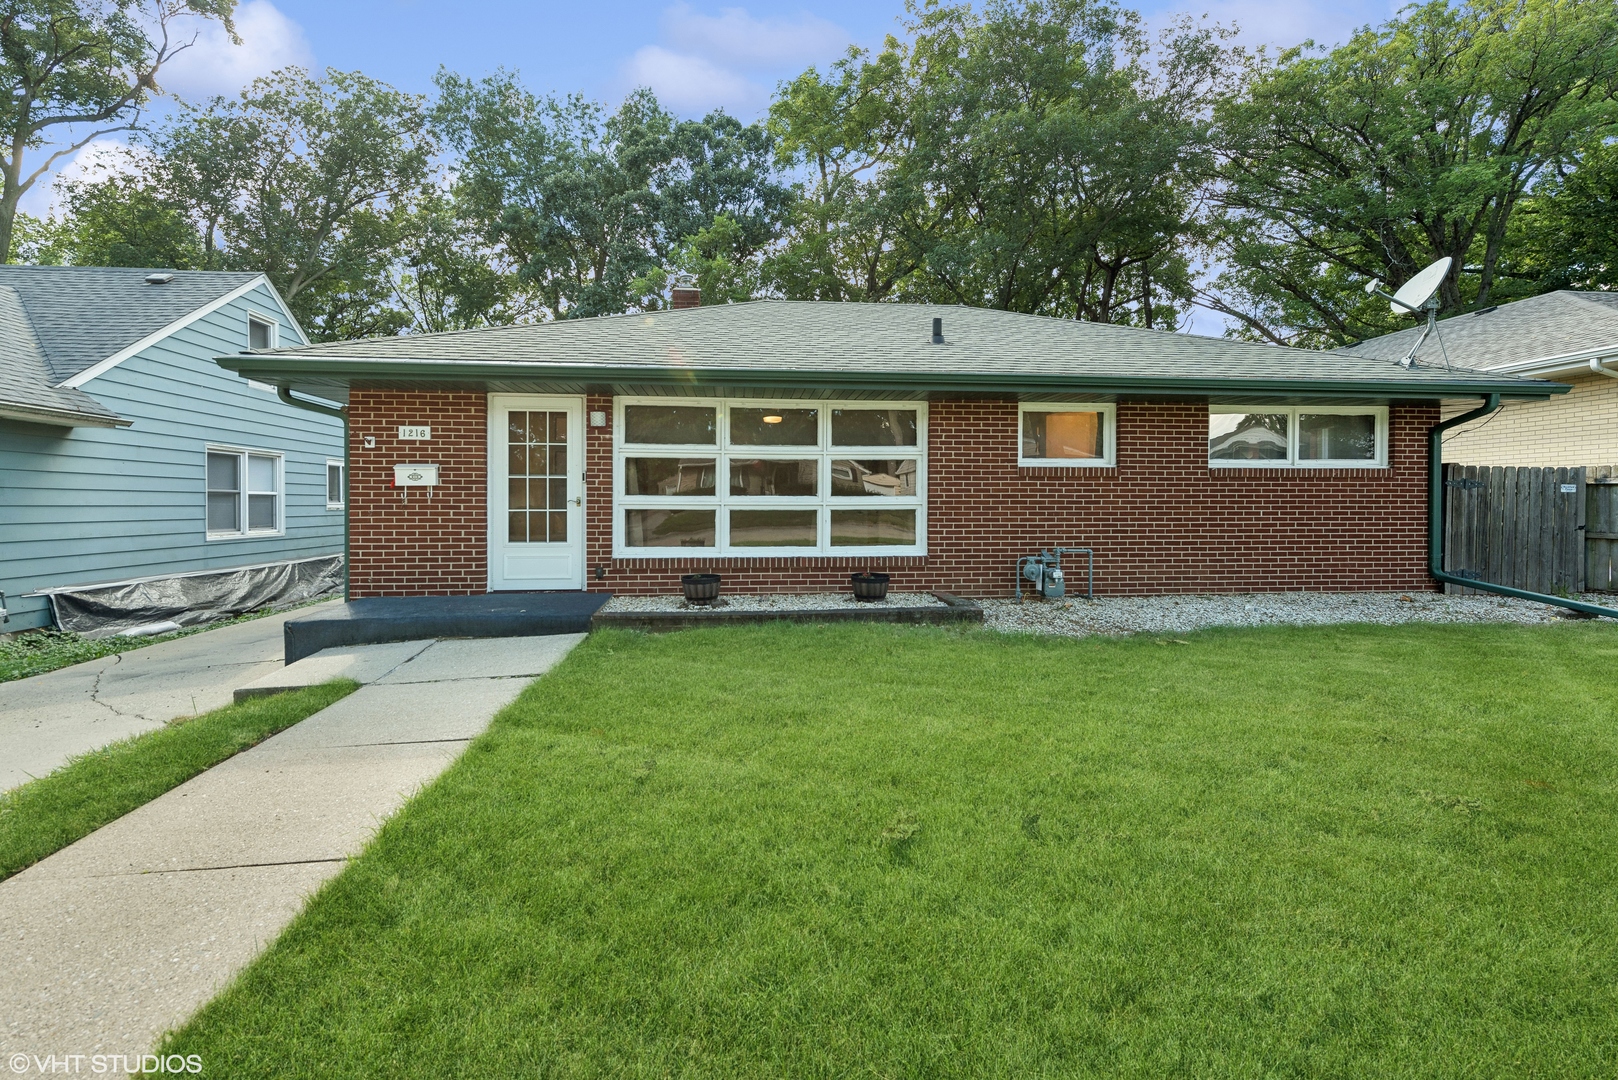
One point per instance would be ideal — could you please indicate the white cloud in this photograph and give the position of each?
(97, 159)
(730, 60)
(216, 65)
(736, 39)
(692, 84)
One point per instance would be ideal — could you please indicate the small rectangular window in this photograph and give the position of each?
(774, 427)
(670, 425)
(874, 427)
(243, 493)
(336, 490)
(260, 334)
(1067, 435)
(1297, 437)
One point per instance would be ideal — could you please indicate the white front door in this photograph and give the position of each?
(536, 492)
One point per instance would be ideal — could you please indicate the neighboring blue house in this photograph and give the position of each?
(127, 454)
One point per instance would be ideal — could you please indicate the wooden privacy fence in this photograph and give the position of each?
(1544, 530)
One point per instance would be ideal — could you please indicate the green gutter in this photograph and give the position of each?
(285, 394)
(284, 368)
(1435, 521)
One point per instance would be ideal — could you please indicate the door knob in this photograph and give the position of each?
(578, 500)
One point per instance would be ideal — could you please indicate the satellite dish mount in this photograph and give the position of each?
(1419, 294)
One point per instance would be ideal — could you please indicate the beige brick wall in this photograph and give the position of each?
(1577, 428)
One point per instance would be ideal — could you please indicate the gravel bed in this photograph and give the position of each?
(771, 602)
(1180, 614)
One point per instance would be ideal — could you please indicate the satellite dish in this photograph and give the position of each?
(1418, 290)
(1415, 296)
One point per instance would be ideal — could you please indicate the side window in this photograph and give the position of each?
(335, 488)
(243, 493)
(260, 333)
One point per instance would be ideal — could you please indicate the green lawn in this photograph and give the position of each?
(47, 814)
(872, 851)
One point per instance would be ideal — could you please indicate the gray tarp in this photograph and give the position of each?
(190, 599)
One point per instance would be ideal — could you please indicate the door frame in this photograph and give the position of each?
(496, 470)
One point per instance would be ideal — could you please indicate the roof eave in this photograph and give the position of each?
(36, 414)
(276, 368)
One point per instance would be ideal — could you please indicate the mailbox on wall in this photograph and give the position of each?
(408, 476)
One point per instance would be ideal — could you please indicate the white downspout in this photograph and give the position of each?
(1600, 368)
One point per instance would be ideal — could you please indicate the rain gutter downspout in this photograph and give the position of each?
(1435, 522)
(285, 394)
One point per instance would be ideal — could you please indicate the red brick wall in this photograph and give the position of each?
(1162, 521)
(416, 545)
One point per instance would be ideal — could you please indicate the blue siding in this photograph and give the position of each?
(83, 505)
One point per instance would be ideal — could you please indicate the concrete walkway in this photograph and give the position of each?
(120, 937)
(45, 720)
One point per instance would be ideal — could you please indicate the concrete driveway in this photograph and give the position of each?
(48, 719)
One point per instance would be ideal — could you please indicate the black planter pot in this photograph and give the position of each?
(869, 586)
(700, 588)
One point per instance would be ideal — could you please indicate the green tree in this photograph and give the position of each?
(447, 278)
(1565, 235)
(124, 221)
(589, 206)
(311, 180)
(717, 259)
(1415, 140)
(70, 64)
(1036, 156)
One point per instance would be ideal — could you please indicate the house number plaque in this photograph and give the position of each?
(415, 432)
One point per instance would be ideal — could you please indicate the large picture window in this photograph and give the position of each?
(1305, 436)
(767, 478)
(243, 493)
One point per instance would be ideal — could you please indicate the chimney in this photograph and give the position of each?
(684, 296)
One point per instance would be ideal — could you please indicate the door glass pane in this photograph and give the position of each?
(536, 526)
(670, 528)
(261, 511)
(1247, 436)
(1074, 435)
(1336, 437)
(866, 528)
(558, 462)
(670, 424)
(517, 428)
(558, 499)
(757, 477)
(867, 477)
(517, 527)
(670, 476)
(773, 528)
(558, 530)
(223, 470)
(517, 494)
(558, 426)
(538, 497)
(873, 427)
(222, 510)
(775, 427)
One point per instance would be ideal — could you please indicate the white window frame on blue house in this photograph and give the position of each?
(342, 484)
(245, 492)
(271, 325)
(722, 452)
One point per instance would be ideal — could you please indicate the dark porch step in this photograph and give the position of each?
(376, 619)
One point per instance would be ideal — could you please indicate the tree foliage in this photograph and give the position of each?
(590, 206)
(1039, 156)
(1415, 140)
(66, 64)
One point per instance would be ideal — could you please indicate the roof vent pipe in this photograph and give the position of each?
(938, 331)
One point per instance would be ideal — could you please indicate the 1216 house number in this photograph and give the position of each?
(416, 432)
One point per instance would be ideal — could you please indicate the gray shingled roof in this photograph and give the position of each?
(83, 314)
(808, 338)
(1537, 328)
(25, 382)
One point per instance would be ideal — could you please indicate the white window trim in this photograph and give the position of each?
(342, 492)
(263, 320)
(1292, 461)
(1109, 435)
(722, 451)
(241, 510)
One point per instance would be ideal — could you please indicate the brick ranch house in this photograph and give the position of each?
(786, 445)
